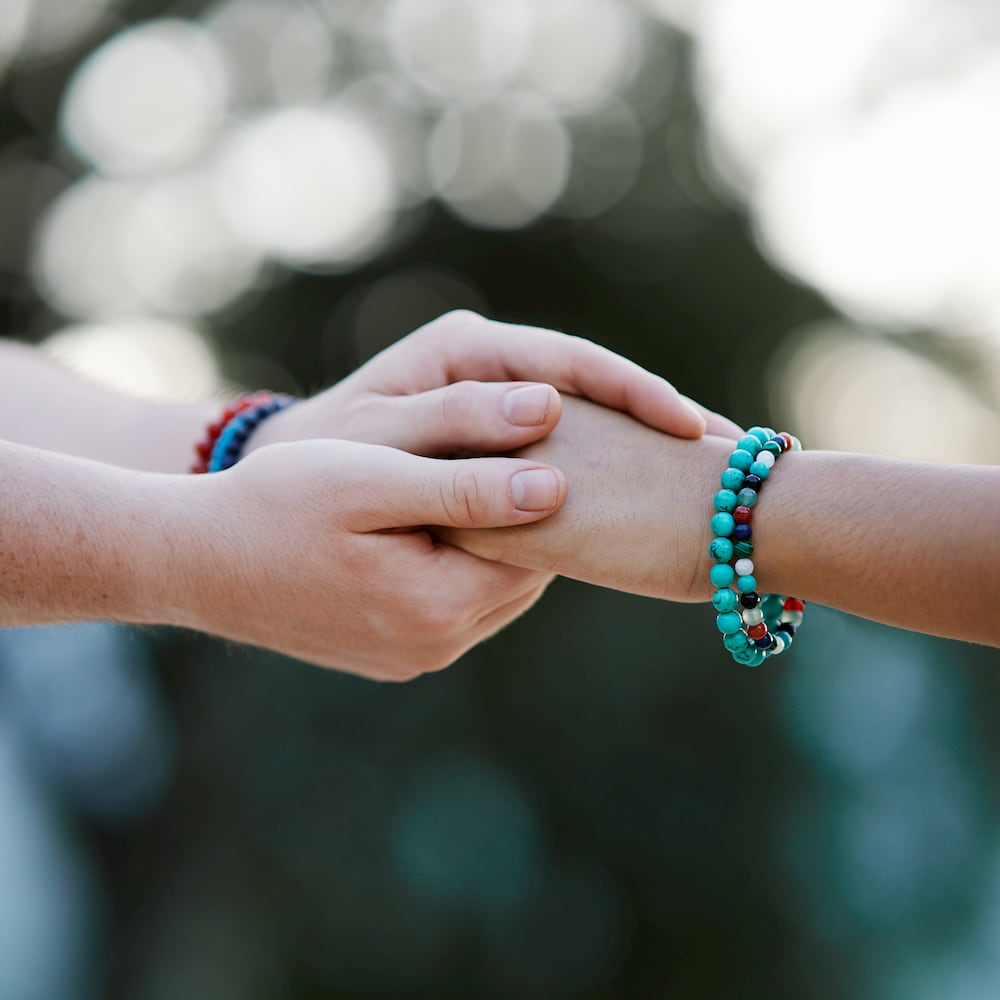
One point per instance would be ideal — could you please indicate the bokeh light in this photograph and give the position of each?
(482, 48)
(308, 185)
(151, 358)
(850, 391)
(276, 52)
(500, 164)
(147, 100)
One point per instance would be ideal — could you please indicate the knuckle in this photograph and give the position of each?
(463, 498)
(457, 403)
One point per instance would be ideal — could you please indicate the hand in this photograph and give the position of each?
(314, 549)
(638, 509)
(457, 385)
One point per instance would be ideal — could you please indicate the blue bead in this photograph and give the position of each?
(741, 460)
(731, 479)
(746, 584)
(725, 599)
(723, 524)
(760, 469)
(779, 442)
(722, 575)
(725, 500)
(721, 549)
(746, 498)
(742, 532)
(729, 622)
(735, 641)
(749, 443)
(752, 481)
(750, 599)
(765, 642)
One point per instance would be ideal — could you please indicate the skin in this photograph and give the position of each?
(311, 547)
(911, 544)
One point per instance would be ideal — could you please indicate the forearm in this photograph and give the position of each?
(80, 540)
(45, 406)
(912, 544)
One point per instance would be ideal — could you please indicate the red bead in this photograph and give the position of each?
(787, 438)
(794, 604)
(742, 515)
(757, 631)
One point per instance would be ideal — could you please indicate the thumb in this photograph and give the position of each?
(410, 491)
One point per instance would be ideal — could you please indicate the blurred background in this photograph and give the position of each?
(790, 208)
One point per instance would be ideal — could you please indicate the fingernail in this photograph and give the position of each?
(527, 406)
(534, 489)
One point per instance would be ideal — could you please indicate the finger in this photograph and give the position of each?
(394, 489)
(473, 416)
(716, 423)
(468, 346)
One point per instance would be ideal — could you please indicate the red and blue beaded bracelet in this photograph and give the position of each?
(225, 438)
(753, 627)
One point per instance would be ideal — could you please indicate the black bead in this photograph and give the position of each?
(752, 482)
(742, 532)
(750, 600)
(786, 627)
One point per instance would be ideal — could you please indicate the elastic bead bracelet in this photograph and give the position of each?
(753, 627)
(203, 449)
(225, 438)
(229, 447)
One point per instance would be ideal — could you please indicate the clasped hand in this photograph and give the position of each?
(342, 522)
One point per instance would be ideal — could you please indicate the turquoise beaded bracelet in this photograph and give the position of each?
(753, 627)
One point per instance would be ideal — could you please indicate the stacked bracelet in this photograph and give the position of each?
(753, 627)
(225, 438)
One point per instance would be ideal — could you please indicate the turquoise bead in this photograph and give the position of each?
(735, 641)
(772, 605)
(743, 549)
(725, 599)
(731, 479)
(749, 443)
(726, 500)
(745, 584)
(746, 498)
(721, 549)
(729, 622)
(723, 523)
(741, 460)
(760, 469)
(722, 575)
(762, 434)
(773, 447)
(750, 656)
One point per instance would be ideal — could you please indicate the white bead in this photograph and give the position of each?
(796, 443)
(743, 567)
(753, 616)
(792, 617)
(766, 458)
(781, 643)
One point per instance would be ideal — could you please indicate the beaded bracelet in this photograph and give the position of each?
(753, 627)
(225, 438)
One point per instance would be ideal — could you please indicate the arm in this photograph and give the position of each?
(911, 544)
(449, 386)
(46, 406)
(312, 549)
